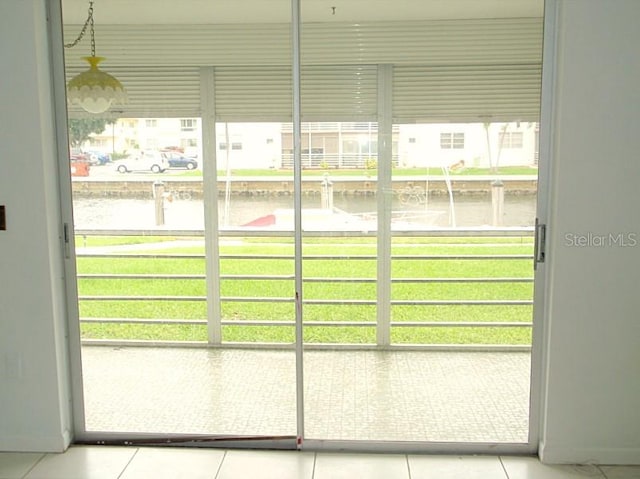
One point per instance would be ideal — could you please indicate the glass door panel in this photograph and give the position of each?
(418, 293)
(184, 287)
(340, 160)
(462, 277)
(256, 271)
(138, 209)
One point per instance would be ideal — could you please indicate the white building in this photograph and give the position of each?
(332, 144)
(475, 145)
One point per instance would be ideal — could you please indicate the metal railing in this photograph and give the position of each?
(415, 321)
(328, 161)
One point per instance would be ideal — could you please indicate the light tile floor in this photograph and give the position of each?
(103, 462)
(349, 395)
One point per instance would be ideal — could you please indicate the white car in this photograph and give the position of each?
(153, 161)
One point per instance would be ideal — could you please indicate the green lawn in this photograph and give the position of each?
(192, 291)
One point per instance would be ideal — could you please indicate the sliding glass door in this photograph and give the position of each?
(419, 131)
(185, 326)
(324, 253)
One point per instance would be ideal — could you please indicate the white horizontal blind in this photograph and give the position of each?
(153, 92)
(253, 94)
(451, 70)
(421, 42)
(460, 94)
(188, 45)
(425, 42)
(264, 93)
(340, 92)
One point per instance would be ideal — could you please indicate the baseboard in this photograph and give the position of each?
(550, 454)
(35, 443)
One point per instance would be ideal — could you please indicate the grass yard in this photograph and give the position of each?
(350, 278)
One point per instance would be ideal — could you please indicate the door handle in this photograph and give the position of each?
(539, 243)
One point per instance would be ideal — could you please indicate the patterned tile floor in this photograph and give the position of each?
(349, 395)
(103, 462)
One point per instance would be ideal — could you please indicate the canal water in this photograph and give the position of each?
(107, 213)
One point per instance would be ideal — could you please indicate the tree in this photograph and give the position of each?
(80, 129)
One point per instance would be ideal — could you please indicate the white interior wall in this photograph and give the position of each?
(593, 331)
(34, 392)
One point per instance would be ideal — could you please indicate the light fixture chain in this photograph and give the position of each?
(88, 22)
(93, 38)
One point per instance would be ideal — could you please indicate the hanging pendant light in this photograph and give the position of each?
(94, 90)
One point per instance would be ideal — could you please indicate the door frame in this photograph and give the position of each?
(300, 442)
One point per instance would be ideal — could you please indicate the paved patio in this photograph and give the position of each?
(349, 395)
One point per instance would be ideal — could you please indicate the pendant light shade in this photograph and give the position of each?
(94, 90)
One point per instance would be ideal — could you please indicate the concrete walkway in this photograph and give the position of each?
(349, 395)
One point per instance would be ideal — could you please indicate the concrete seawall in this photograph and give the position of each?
(141, 186)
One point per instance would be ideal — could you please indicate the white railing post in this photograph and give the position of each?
(385, 197)
(210, 192)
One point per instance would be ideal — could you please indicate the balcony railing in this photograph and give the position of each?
(328, 161)
(484, 302)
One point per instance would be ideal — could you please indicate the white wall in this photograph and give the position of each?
(255, 152)
(425, 149)
(34, 407)
(592, 411)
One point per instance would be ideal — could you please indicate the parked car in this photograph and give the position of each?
(176, 160)
(151, 160)
(98, 157)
